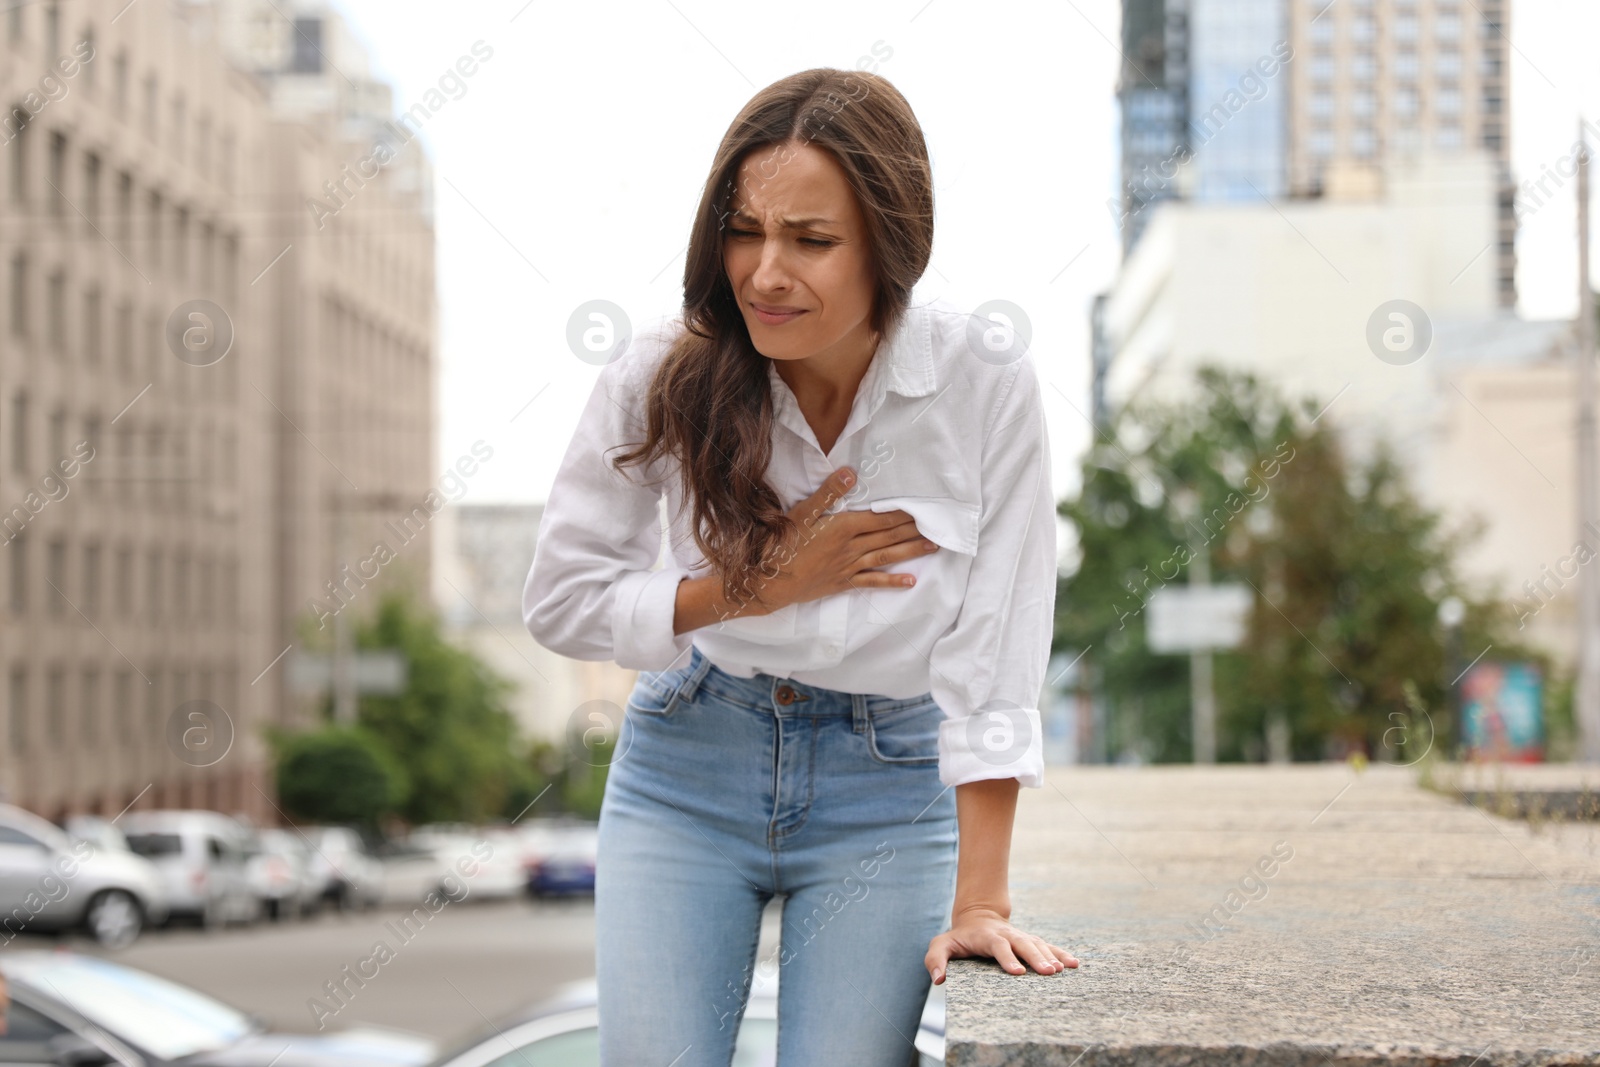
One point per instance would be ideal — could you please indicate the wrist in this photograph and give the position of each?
(999, 909)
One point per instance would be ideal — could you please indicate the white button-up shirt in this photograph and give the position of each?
(940, 428)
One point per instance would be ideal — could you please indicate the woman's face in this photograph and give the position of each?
(795, 249)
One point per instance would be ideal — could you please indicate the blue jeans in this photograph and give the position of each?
(726, 791)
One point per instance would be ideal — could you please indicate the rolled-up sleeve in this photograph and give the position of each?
(591, 593)
(988, 669)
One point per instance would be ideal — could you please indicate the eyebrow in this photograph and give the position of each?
(790, 224)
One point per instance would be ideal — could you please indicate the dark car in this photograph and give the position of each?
(563, 1032)
(66, 1008)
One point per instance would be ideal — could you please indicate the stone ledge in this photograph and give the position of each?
(1403, 928)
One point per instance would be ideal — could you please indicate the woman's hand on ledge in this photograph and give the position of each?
(985, 932)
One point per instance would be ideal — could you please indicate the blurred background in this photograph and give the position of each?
(293, 337)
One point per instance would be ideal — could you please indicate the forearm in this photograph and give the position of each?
(700, 603)
(985, 812)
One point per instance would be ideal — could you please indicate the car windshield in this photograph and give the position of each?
(161, 1017)
(156, 844)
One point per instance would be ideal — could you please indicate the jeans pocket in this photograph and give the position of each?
(907, 734)
(656, 692)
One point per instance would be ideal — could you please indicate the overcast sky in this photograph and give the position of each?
(570, 169)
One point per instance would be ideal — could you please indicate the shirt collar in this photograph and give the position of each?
(902, 364)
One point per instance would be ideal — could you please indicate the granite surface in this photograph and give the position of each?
(1295, 915)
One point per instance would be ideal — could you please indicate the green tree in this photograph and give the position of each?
(1347, 569)
(337, 775)
(450, 729)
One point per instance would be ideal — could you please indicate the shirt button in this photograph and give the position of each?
(831, 649)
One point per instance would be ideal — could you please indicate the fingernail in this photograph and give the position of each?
(847, 478)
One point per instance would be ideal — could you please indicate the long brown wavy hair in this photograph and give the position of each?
(709, 405)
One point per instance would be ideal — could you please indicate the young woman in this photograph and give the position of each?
(842, 658)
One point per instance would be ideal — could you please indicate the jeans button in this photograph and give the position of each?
(785, 695)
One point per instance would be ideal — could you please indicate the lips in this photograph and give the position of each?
(776, 316)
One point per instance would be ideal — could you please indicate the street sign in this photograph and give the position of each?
(1192, 618)
(381, 671)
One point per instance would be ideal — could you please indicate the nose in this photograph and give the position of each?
(771, 274)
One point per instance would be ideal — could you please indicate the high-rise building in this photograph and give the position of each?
(197, 369)
(1250, 99)
(1379, 81)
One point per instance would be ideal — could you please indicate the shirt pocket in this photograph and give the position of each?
(773, 628)
(946, 521)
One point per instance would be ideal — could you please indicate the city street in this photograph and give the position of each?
(473, 961)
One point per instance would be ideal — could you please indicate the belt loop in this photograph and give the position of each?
(691, 684)
(858, 707)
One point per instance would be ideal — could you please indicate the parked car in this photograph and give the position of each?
(563, 860)
(109, 893)
(278, 865)
(410, 872)
(68, 1008)
(563, 1032)
(493, 857)
(201, 854)
(345, 874)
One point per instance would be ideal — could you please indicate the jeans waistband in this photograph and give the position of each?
(785, 696)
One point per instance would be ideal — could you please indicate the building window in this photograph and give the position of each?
(19, 432)
(89, 706)
(1406, 67)
(91, 580)
(58, 176)
(56, 312)
(52, 32)
(1321, 143)
(180, 245)
(55, 703)
(1322, 104)
(19, 573)
(179, 125)
(124, 335)
(1405, 28)
(14, 23)
(1364, 104)
(1364, 143)
(119, 84)
(1447, 26)
(1447, 138)
(55, 572)
(124, 582)
(87, 41)
(1363, 68)
(19, 294)
(1405, 102)
(17, 698)
(1447, 64)
(153, 585)
(91, 190)
(1448, 102)
(155, 228)
(122, 706)
(1363, 29)
(92, 326)
(16, 128)
(151, 98)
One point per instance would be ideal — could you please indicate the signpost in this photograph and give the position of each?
(1198, 619)
(381, 671)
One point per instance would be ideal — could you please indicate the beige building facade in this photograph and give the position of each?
(198, 372)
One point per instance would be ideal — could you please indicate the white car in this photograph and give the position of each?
(50, 880)
(278, 865)
(202, 856)
(565, 1030)
(492, 856)
(344, 872)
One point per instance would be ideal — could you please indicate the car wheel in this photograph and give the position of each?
(114, 918)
